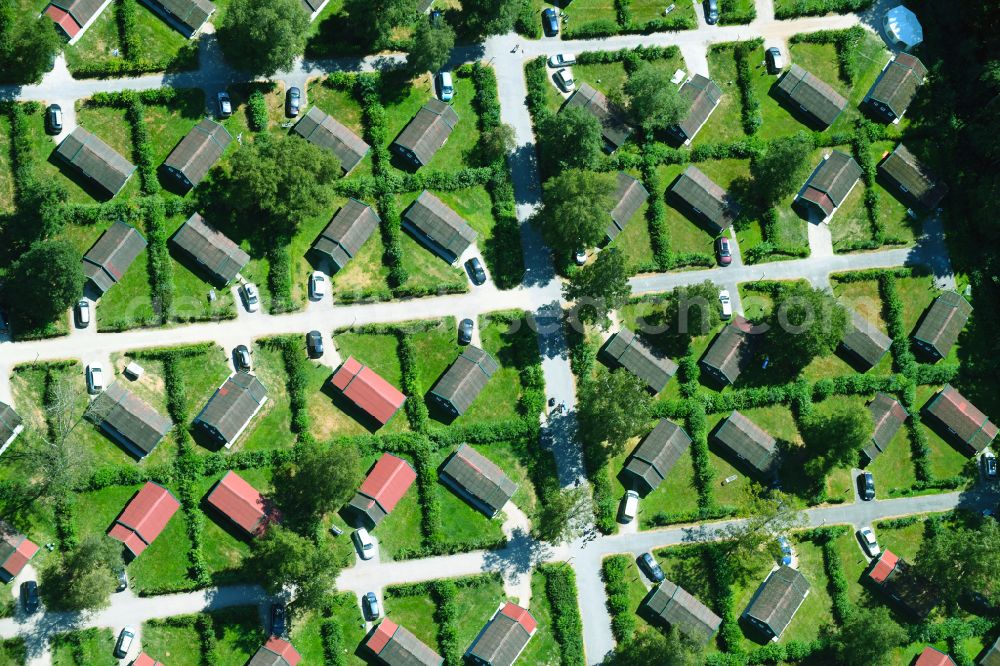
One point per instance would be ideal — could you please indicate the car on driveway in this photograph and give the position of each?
(465, 331)
(723, 251)
(726, 303)
(124, 643)
(711, 12)
(364, 543)
(564, 78)
(786, 550)
(95, 378)
(293, 100)
(652, 569)
(122, 580)
(314, 344)
(445, 86)
(317, 285)
(241, 358)
(868, 541)
(990, 465)
(562, 60)
(775, 61)
(225, 105)
(54, 119)
(29, 596)
(372, 611)
(250, 296)
(866, 486)
(629, 506)
(550, 22)
(476, 271)
(83, 313)
(279, 619)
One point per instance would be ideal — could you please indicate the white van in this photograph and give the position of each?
(445, 87)
(630, 506)
(364, 543)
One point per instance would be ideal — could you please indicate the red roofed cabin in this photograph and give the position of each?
(893, 575)
(503, 639)
(73, 17)
(394, 645)
(145, 660)
(144, 517)
(366, 389)
(15, 551)
(933, 657)
(275, 652)
(241, 503)
(381, 491)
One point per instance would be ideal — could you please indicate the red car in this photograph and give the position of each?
(722, 251)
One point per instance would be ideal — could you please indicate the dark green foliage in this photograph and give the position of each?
(333, 643)
(84, 578)
(616, 571)
(125, 12)
(257, 111)
(372, 21)
(446, 616)
(805, 323)
(868, 636)
(416, 408)
(959, 559)
(742, 52)
(432, 45)
(600, 287)
(835, 439)
(491, 17)
(43, 283)
(263, 36)
(527, 24)
(652, 105)
(281, 557)
(729, 15)
(781, 168)
(28, 47)
(613, 408)
(570, 140)
(560, 588)
(279, 278)
(158, 264)
(795, 8)
(577, 204)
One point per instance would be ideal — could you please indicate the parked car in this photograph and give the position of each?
(241, 358)
(225, 105)
(364, 543)
(550, 22)
(465, 331)
(372, 611)
(54, 119)
(314, 344)
(727, 306)
(446, 89)
(83, 313)
(868, 542)
(122, 580)
(124, 643)
(564, 78)
(785, 548)
(630, 506)
(95, 378)
(653, 570)
(476, 271)
(775, 61)
(250, 296)
(317, 285)
(990, 465)
(723, 251)
(866, 486)
(562, 60)
(293, 98)
(580, 257)
(4, 327)
(711, 11)
(279, 617)
(29, 596)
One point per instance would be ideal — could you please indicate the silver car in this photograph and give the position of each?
(251, 297)
(562, 60)
(564, 77)
(868, 541)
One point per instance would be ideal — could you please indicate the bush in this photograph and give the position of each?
(257, 111)
(593, 29)
(333, 643)
(729, 15)
(416, 408)
(845, 41)
(536, 82)
(787, 9)
(125, 12)
(751, 115)
(279, 278)
(527, 23)
(560, 588)
(446, 616)
(158, 263)
(615, 570)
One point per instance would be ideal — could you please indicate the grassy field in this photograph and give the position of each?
(96, 645)
(239, 633)
(202, 375)
(543, 649)
(725, 123)
(224, 545)
(271, 428)
(946, 459)
(6, 176)
(191, 290)
(347, 613)
(167, 642)
(513, 346)
(416, 613)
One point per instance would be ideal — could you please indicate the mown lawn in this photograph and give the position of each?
(686, 235)
(436, 349)
(634, 240)
(128, 303)
(416, 613)
(478, 603)
(202, 374)
(174, 644)
(330, 413)
(306, 234)
(340, 104)
(307, 637)
(725, 123)
(401, 528)
(191, 289)
(427, 270)
(946, 460)
(97, 645)
(224, 545)
(850, 222)
(816, 610)
(271, 427)
(347, 613)
(514, 346)
(239, 633)
(893, 470)
(6, 176)
(861, 297)
(460, 522)
(543, 649)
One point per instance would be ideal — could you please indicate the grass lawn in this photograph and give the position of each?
(6, 176)
(606, 77)
(416, 613)
(202, 375)
(223, 545)
(514, 346)
(164, 641)
(850, 223)
(380, 353)
(816, 610)
(725, 123)
(903, 541)
(97, 645)
(436, 349)
(894, 468)
(426, 269)
(307, 636)
(271, 428)
(347, 613)
(306, 233)
(128, 303)
(916, 293)
(475, 206)
(861, 297)
(13, 650)
(111, 127)
(647, 10)
(191, 301)
(340, 104)
(478, 603)
(364, 273)
(330, 413)
(854, 562)
(585, 11)
(543, 649)
(239, 633)
(45, 163)
(945, 458)
(401, 528)
(634, 241)
(686, 235)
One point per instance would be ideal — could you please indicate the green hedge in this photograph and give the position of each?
(846, 43)
(296, 369)
(615, 570)
(731, 14)
(158, 263)
(257, 111)
(333, 643)
(528, 22)
(751, 116)
(279, 277)
(416, 408)
(730, 635)
(560, 589)
(787, 9)
(128, 40)
(446, 617)
(536, 82)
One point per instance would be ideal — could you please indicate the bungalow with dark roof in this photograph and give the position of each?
(144, 517)
(892, 574)
(698, 196)
(321, 129)
(655, 456)
(625, 350)
(702, 96)
(275, 652)
(107, 260)
(187, 16)
(677, 607)
(199, 150)
(629, 197)
(11, 426)
(942, 324)
(865, 341)
(477, 480)
(438, 228)
(464, 380)
(368, 390)
(342, 239)
(729, 352)
(962, 420)
(933, 657)
(228, 412)
(613, 127)
(220, 258)
(902, 172)
(128, 420)
(503, 639)
(242, 504)
(426, 133)
(314, 7)
(96, 161)
(888, 416)
(16, 550)
(812, 96)
(394, 645)
(73, 17)
(828, 186)
(776, 601)
(749, 442)
(992, 656)
(145, 660)
(385, 485)
(895, 87)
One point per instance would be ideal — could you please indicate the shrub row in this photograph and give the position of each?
(824, 538)
(715, 512)
(536, 82)
(787, 9)
(656, 218)
(186, 59)
(616, 570)
(296, 369)
(560, 589)
(29, 190)
(446, 616)
(704, 473)
(722, 595)
(845, 41)
(902, 355)
(187, 467)
(436, 179)
(861, 147)
(128, 40)
(257, 111)
(333, 643)
(416, 408)
(205, 627)
(279, 278)
(742, 52)
(526, 22)
(158, 264)
(773, 653)
(730, 14)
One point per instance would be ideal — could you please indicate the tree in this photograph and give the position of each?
(780, 170)
(613, 408)
(694, 310)
(867, 637)
(85, 577)
(28, 47)
(653, 103)
(600, 287)
(43, 283)
(570, 140)
(432, 45)
(284, 561)
(805, 323)
(321, 478)
(563, 515)
(490, 17)
(373, 21)
(955, 560)
(750, 544)
(264, 36)
(835, 438)
(577, 209)
(496, 143)
(656, 648)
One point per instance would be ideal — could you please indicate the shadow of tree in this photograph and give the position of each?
(522, 554)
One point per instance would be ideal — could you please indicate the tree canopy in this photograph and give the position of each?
(613, 408)
(264, 36)
(496, 143)
(835, 438)
(804, 323)
(599, 287)
(432, 45)
(44, 283)
(85, 576)
(563, 515)
(322, 478)
(490, 17)
(749, 545)
(570, 139)
(693, 310)
(958, 559)
(656, 648)
(28, 46)
(282, 560)
(577, 209)
(373, 21)
(867, 637)
(781, 169)
(653, 103)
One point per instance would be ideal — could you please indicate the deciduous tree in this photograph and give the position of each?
(781, 168)
(577, 209)
(490, 17)
(570, 139)
(321, 478)
(373, 21)
(600, 287)
(956, 560)
(867, 637)
(563, 515)
(264, 36)
(694, 309)
(84, 578)
(613, 408)
(653, 102)
(44, 283)
(805, 323)
(749, 545)
(432, 45)
(496, 143)
(655, 648)
(28, 47)
(284, 561)
(835, 438)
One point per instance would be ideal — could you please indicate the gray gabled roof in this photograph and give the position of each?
(814, 96)
(221, 258)
(678, 608)
(81, 10)
(943, 323)
(10, 422)
(865, 340)
(778, 598)
(706, 198)
(428, 131)
(347, 232)
(396, 646)
(656, 455)
(479, 477)
(233, 405)
(914, 179)
(749, 441)
(888, 417)
(125, 415)
(729, 351)
(190, 14)
(626, 350)
(199, 150)
(443, 226)
(832, 181)
(96, 160)
(461, 384)
(992, 656)
(898, 83)
(107, 260)
(629, 196)
(504, 638)
(702, 95)
(321, 129)
(613, 127)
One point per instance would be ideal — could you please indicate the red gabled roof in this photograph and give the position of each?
(388, 481)
(242, 503)
(144, 517)
(933, 657)
(884, 566)
(819, 198)
(20, 556)
(381, 636)
(145, 660)
(64, 20)
(366, 389)
(521, 616)
(283, 649)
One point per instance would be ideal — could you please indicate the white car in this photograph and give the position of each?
(95, 378)
(630, 506)
(564, 77)
(580, 257)
(562, 60)
(225, 105)
(364, 543)
(124, 643)
(250, 296)
(867, 538)
(317, 285)
(727, 306)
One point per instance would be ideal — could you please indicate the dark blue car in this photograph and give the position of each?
(550, 22)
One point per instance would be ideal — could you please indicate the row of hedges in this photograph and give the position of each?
(186, 59)
(730, 13)
(625, 24)
(159, 267)
(296, 369)
(616, 571)
(416, 408)
(824, 537)
(279, 277)
(560, 589)
(257, 111)
(128, 40)
(846, 43)
(787, 9)
(647, 53)
(751, 116)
